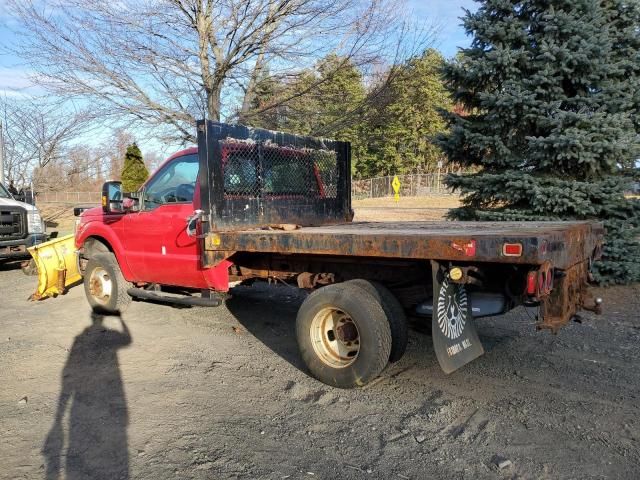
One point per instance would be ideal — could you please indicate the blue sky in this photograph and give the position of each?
(444, 13)
(14, 78)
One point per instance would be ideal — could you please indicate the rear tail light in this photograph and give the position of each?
(532, 283)
(540, 282)
(512, 249)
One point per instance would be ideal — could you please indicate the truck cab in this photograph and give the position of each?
(150, 232)
(21, 226)
(148, 235)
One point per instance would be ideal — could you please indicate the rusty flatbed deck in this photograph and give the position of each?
(562, 243)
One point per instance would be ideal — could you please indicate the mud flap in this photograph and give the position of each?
(455, 339)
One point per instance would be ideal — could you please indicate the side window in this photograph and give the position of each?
(175, 183)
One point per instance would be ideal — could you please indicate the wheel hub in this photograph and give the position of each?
(100, 285)
(335, 337)
(347, 332)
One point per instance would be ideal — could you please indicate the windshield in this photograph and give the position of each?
(175, 183)
(3, 192)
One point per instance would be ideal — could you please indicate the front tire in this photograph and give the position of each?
(104, 285)
(343, 335)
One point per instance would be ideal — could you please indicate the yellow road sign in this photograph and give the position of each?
(396, 185)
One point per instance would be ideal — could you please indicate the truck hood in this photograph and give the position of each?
(10, 202)
(92, 212)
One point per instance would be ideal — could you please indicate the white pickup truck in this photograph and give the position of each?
(21, 226)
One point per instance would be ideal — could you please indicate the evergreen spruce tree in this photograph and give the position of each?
(550, 90)
(134, 171)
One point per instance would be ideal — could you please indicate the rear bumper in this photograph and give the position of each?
(18, 248)
(569, 295)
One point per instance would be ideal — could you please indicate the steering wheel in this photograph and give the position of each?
(184, 192)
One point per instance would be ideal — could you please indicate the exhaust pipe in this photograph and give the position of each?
(483, 304)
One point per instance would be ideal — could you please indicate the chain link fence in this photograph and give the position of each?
(283, 180)
(68, 197)
(411, 185)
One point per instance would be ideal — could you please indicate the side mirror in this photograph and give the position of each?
(112, 197)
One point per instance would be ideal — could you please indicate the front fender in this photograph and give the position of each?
(102, 232)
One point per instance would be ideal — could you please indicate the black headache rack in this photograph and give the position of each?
(255, 178)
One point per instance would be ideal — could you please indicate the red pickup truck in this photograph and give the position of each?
(250, 203)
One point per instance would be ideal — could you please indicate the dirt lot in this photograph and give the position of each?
(432, 207)
(221, 393)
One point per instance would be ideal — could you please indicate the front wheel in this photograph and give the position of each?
(104, 285)
(343, 335)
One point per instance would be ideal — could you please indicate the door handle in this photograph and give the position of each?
(192, 222)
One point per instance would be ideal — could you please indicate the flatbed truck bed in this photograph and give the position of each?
(562, 243)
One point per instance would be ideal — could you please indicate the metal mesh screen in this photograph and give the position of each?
(262, 177)
(262, 169)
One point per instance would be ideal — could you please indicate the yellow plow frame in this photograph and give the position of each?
(57, 266)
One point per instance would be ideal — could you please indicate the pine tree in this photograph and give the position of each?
(326, 101)
(134, 171)
(550, 90)
(403, 122)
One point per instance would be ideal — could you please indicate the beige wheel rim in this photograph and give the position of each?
(335, 337)
(100, 285)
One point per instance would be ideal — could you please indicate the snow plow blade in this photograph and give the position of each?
(57, 266)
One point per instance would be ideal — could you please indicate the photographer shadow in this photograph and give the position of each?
(92, 387)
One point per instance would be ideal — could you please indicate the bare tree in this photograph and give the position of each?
(37, 133)
(152, 160)
(164, 63)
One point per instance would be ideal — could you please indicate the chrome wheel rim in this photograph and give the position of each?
(335, 337)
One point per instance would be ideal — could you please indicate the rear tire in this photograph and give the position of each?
(104, 285)
(343, 335)
(395, 315)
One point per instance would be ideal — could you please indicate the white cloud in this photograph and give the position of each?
(15, 78)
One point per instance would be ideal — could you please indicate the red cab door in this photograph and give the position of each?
(158, 248)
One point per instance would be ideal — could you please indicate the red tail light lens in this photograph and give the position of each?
(532, 283)
(512, 249)
(542, 281)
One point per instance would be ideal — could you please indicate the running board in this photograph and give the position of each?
(185, 300)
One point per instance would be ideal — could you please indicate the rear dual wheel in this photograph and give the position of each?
(395, 315)
(344, 334)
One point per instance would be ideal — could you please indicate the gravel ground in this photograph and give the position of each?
(221, 393)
